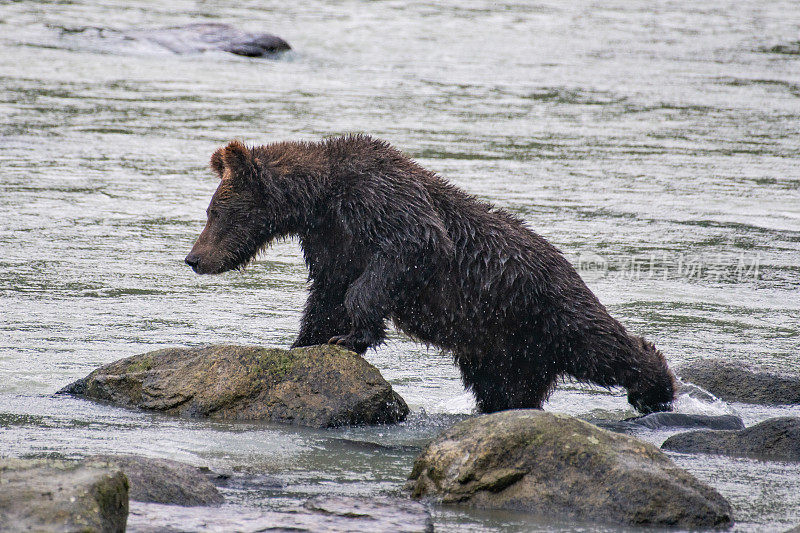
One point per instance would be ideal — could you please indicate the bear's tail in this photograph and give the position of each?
(651, 385)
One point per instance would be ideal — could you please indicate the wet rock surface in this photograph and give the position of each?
(164, 481)
(53, 495)
(187, 39)
(322, 513)
(549, 464)
(736, 382)
(316, 386)
(672, 420)
(774, 439)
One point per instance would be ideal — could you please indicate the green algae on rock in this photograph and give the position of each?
(62, 496)
(317, 386)
(549, 464)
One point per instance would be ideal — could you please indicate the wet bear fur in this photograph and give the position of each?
(384, 238)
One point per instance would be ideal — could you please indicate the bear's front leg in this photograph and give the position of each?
(324, 315)
(355, 342)
(368, 302)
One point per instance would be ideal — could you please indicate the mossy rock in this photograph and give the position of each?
(317, 386)
(548, 464)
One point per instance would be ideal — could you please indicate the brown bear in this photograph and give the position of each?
(385, 238)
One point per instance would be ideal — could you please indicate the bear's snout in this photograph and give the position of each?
(192, 260)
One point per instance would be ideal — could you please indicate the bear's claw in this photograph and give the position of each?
(349, 342)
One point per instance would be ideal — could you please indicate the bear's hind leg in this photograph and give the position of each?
(498, 385)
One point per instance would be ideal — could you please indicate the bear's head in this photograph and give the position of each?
(240, 220)
(652, 388)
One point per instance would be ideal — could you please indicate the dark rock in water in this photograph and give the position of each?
(193, 38)
(775, 439)
(317, 386)
(530, 460)
(52, 495)
(680, 420)
(190, 39)
(247, 482)
(736, 382)
(334, 514)
(792, 48)
(164, 481)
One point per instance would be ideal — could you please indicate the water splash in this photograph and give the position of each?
(692, 399)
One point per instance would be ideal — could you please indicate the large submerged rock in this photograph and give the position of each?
(62, 496)
(775, 439)
(164, 481)
(530, 460)
(317, 386)
(332, 514)
(736, 382)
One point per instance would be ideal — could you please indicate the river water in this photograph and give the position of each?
(655, 143)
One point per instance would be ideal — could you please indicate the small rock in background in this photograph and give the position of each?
(53, 495)
(187, 39)
(735, 382)
(317, 386)
(531, 460)
(199, 37)
(775, 439)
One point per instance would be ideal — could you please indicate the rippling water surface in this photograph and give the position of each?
(655, 143)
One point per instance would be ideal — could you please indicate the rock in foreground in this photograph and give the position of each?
(735, 382)
(50, 495)
(164, 481)
(317, 386)
(550, 464)
(776, 439)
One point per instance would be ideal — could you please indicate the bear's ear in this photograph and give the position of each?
(234, 162)
(216, 163)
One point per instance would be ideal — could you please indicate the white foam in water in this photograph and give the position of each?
(694, 400)
(463, 403)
